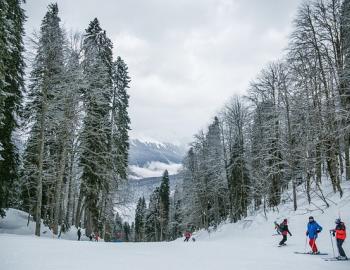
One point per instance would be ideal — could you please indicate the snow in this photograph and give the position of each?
(16, 221)
(245, 245)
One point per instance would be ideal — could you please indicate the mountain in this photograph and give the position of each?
(142, 152)
(149, 158)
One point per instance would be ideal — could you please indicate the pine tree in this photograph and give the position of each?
(95, 158)
(152, 226)
(140, 216)
(120, 121)
(164, 202)
(11, 83)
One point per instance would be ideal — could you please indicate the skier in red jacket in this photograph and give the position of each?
(340, 234)
(187, 236)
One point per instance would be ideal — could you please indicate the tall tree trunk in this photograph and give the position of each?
(347, 157)
(58, 194)
(39, 192)
(70, 209)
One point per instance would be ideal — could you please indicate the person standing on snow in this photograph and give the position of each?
(340, 234)
(79, 234)
(313, 229)
(283, 228)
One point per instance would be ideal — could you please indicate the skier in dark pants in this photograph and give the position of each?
(340, 234)
(283, 228)
(79, 234)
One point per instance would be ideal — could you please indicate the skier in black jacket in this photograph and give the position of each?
(283, 228)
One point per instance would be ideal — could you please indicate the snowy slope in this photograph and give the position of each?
(248, 244)
(16, 222)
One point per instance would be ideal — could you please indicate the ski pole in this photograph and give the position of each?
(330, 235)
(305, 244)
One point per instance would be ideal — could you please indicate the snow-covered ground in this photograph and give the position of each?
(248, 244)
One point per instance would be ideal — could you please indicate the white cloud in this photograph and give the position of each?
(155, 169)
(185, 58)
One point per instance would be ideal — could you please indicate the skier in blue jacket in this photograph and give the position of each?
(313, 229)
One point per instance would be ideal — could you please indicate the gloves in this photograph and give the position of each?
(318, 231)
(290, 234)
(307, 233)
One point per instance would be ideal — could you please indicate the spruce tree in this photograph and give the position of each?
(95, 159)
(11, 83)
(120, 121)
(140, 220)
(164, 202)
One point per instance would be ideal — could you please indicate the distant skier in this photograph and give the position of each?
(62, 230)
(79, 234)
(92, 236)
(340, 234)
(283, 228)
(187, 236)
(313, 229)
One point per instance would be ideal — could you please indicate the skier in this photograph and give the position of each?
(340, 234)
(79, 234)
(313, 229)
(92, 236)
(283, 228)
(187, 236)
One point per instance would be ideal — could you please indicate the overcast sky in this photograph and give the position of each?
(186, 58)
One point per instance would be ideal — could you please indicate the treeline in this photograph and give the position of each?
(159, 220)
(290, 130)
(74, 115)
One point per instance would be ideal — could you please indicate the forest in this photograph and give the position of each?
(288, 134)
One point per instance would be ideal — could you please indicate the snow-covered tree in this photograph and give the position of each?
(44, 90)
(11, 87)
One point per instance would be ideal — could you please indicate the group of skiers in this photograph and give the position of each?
(313, 229)
(92, 236)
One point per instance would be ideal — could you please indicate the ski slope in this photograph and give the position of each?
(248, 244)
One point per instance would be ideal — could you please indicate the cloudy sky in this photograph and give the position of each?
(186, 58)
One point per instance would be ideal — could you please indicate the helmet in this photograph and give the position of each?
(285, 220)
(311, 217)
(337, 221)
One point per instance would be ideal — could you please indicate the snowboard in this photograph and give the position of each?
(308, 253)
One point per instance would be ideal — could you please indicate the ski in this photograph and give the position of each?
(308, 253)
(332, 259)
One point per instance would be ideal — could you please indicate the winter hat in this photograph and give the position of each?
(337, 221)
(285, 220)
(311, 217)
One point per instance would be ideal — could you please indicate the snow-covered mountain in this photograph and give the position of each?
(149, 158)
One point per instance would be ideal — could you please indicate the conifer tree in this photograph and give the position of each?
(11, 84)
(164, 202)
(120, 121)
(95, 159)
